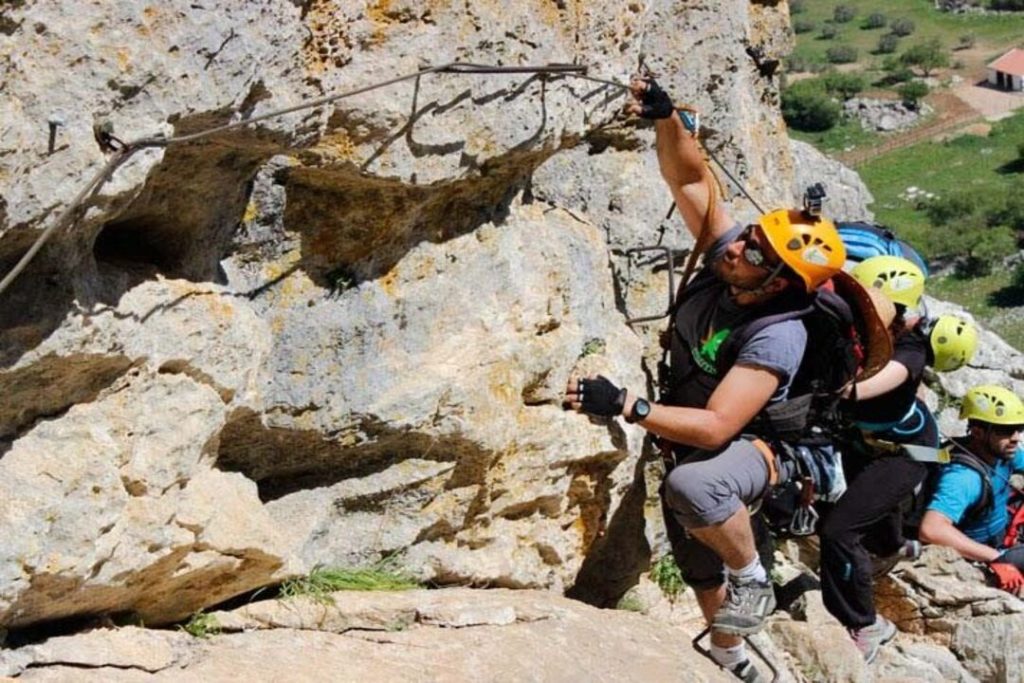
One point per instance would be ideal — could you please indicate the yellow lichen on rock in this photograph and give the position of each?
(329, 45)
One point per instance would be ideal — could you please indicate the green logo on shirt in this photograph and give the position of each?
(706, 355)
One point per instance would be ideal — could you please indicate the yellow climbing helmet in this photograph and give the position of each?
(954, 341)
(992, 404)
(899, 279)
(809, 245)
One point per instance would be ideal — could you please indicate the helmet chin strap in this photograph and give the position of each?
(762, 287)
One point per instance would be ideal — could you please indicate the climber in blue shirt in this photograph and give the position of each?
(967, 511)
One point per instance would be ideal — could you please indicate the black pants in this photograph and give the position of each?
(865, 519)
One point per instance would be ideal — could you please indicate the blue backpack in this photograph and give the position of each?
(864, 240)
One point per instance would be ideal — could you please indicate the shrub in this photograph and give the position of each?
(665, 572)
(806, 106)
(887, 44)
(902, 27)
(912, 92)
(797, 6)
(1017, 279)
(843, 13)
(964, 225)
(926, 56)
(841, 54)
(803, 26)
(845, 85)
(966, 41)
(828, 32)
(876, 20)
(1007, 4)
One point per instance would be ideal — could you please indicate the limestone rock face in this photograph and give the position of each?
(116, 507)
(344, 333)
(448, 635)
(378, 300)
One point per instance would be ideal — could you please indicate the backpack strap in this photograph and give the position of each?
(973, 462)
(744, 333)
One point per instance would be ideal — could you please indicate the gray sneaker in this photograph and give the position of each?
(747, 672)
(745, 608)
(871, 638)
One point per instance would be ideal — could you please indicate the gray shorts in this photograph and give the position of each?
(708, 488)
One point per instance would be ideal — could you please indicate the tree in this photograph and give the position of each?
(912, 92)
(926, 56)
(807, 106)
(887, 44)
(962, 227)
(845, 85)
(803, 26)
(843, 13)
(828, 32)
(902, 27)
(841, 54)
(1008, 4)
(876, 20)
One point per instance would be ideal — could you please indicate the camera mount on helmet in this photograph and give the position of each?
(814, 200)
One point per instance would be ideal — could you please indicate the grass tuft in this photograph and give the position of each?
(321, 582)
(201, 625)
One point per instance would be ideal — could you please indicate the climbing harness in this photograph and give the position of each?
(121, 150)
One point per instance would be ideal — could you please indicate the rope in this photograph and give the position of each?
(124, 150)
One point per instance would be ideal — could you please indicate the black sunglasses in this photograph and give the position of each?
(752, 251)
(1004, 431)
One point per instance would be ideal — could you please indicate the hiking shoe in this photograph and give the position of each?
(871, 638)
(745, 608)
(747, 672)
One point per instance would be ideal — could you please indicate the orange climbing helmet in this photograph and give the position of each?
(809, 245)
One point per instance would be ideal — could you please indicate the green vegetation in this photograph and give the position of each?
(321, 582)
(910, 17)
(844, 135)
(927, 56)
(593, 346)
(985, 166)
(989, 298)
(665, 572)
(630, 602)
(875, 20)
(912, 93)
(976, 215)
(201, 625)
(807, 106)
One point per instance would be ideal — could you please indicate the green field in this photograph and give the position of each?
(988, 30)
(985, 164)
(845, 135)
(991, 299)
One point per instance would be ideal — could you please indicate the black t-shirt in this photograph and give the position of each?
(911, 351)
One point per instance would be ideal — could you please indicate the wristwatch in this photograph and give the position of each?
(641, 409)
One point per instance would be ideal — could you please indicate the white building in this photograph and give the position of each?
(1007, 72)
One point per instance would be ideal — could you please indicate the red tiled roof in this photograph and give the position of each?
(1010, 63)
